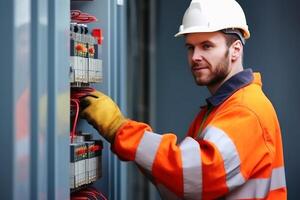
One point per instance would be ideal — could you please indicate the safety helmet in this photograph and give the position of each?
(214, 15)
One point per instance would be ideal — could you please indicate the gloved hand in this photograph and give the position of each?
(102, 112)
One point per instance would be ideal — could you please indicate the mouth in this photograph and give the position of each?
(199, 68)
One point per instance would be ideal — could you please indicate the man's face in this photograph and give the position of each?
(208, 56)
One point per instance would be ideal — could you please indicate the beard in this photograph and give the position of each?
(218, 74)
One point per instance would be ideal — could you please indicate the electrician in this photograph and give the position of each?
(233, 149)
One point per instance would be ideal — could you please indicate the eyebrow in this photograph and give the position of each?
(200, 43)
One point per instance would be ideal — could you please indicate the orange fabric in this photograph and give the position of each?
(247, 117)
(165, 169)
(214, 180)
(254, 129)
(277, 194)
(127, 139)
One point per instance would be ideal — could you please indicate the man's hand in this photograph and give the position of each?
(102, 112)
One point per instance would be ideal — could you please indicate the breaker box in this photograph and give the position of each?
(85, 71)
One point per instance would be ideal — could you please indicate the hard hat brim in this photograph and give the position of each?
(246, 32)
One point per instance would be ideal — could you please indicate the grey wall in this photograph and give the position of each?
(272, 50)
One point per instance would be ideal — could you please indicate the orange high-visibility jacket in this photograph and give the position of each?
(237, 155)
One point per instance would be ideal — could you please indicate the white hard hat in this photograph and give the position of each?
(213, 15)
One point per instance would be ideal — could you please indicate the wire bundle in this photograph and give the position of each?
(76, 95)
(88, 193)
(81, 17)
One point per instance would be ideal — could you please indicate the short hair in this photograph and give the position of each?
(231, 38)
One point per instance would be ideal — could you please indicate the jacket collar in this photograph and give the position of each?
(233, 84)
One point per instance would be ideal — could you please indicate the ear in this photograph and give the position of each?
(236, 50)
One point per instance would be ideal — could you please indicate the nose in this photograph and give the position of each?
(197, 55)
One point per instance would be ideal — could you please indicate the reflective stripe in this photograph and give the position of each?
(166, 194)
(260, 187)
(192, 169)
(147, 149)
(278, 178)
(229, 153)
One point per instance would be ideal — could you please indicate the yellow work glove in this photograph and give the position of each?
(103, 114)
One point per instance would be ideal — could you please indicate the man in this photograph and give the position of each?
(233, 149)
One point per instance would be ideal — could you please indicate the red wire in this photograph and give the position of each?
(75, 13)
(102, 196)
(76, 94)
(81, 17)
(97, 192)
(75, 119)
(89, 193)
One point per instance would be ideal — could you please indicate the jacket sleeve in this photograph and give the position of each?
(231, 147)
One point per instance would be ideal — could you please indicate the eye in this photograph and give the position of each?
(206, 46)
(190, 47)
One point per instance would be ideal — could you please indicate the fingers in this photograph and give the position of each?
(84, 103)
(97, 94)
(87, 99)
(89, 95)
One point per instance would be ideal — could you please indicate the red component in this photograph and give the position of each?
(84, 50)
(81, 151)
(95, 148)
(97, 33)
(79, 47)
(91, 50)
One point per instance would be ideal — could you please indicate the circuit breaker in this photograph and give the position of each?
(85, 55)
(85, 162)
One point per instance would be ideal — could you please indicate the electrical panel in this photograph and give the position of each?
(48, 57)
(86, 69)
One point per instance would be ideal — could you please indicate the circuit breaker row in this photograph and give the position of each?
(85, 162)
(85, 55)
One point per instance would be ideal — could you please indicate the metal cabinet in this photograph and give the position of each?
(35, 107)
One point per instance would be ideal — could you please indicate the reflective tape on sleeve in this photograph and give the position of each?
(229, 154)
(147, 149)
(259, 188)
(192, 169)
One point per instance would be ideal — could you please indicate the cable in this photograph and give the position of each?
(97, 192)
(76, 95)
(75, 119)
(75, 13)
(89, 193)
(81, 17)
(79, 198)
